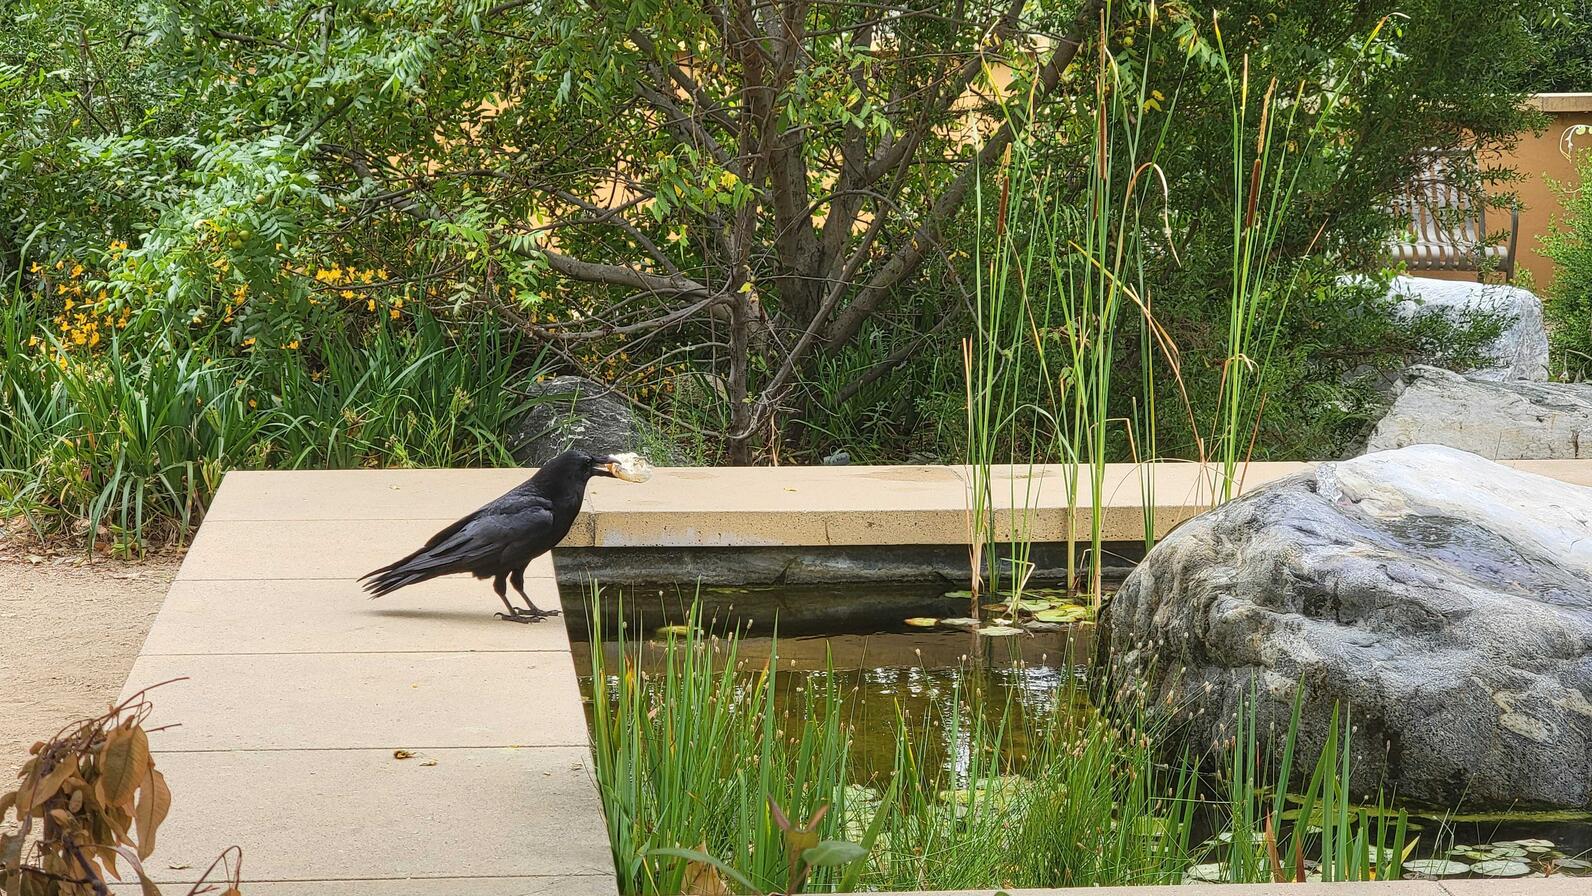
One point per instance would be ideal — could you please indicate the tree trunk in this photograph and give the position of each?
(740, 440)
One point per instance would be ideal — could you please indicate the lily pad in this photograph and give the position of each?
(1037, 626)
(1436, 867)
(961, 622)
(1528, 844)
(1501, 868)
(999, 631)
(1061, 615)
(923, 622)
(1573, 864)
(679, 631)
(1033, 606)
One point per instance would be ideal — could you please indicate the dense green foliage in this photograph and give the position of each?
(130, 444)
(1562, 62)
(779, 202)
(1569, 305)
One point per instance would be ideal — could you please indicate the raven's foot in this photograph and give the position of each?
(516, 614)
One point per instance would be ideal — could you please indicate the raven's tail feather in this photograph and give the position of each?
(387, 579)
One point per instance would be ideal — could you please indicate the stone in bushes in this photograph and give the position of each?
(1498, 420)
(574, 412)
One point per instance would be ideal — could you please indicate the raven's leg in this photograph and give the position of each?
(517, 579)
(514, 614)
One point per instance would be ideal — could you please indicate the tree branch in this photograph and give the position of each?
(906, 259)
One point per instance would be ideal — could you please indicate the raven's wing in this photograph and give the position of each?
(506, 528)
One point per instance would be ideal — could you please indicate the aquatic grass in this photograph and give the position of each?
(1065, 262)
(1061, 288)
(974, 796)
(1265, 184)
(1274, 833)
(1090, 803)
(693, 758)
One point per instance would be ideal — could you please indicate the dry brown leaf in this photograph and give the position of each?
(35, 792)
(124, 763)
(402, 754)
(154, 801)
(702, 879)
(10, 850)
(146, 886)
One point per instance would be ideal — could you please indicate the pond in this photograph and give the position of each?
(858, 642)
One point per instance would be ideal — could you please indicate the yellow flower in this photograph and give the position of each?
(252, 403)
(348, 294)
(35, 268)
(77, 270)
(32, 341)
(381, 273)
(394, 313)
(370, 305)
(69, 304)
(728, 180)
(59, 264)
(294, 344)
(248, 342)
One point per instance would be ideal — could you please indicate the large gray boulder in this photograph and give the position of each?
(1520, 353)
(574, 412)
(1442, 599)
(1498, 420)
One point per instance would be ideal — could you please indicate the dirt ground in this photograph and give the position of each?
(69, 632)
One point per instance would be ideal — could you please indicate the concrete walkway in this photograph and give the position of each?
(301, 691)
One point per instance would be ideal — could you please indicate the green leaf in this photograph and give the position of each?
(833, 852)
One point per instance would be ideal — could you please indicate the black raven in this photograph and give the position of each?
(500, 540)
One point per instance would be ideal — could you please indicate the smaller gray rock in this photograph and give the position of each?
(1520, 353)
(574, 412)
(1497, 420)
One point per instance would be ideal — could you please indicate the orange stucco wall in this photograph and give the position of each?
(1540, 158)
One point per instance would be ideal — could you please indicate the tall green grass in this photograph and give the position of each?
(127, 445)
(695, 748)
(1062, 272)
(1062, 289)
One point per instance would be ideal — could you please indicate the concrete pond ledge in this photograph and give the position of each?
(415, 746)
(750, 506)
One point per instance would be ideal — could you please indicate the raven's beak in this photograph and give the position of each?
(630, 467)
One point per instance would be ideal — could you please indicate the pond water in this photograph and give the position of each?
(857, 640)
